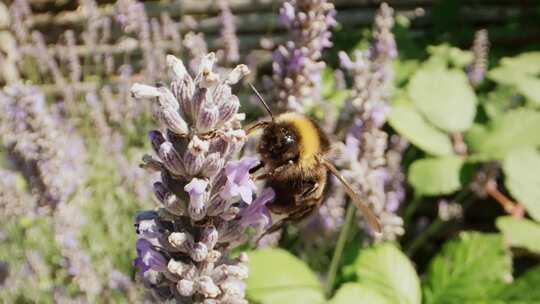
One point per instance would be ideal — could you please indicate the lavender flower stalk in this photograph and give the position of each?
(477, 70)
(230, 43)
(366, 142)
(205, 195)
(296, 64)
(40, 145)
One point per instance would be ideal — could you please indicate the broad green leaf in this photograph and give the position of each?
(385, 270)
(406, 120)
(522, 171)
(451, 55)
(517, 128)
(521, 233)
(523, 290)
(521, 72)
(436, 176)
(525, 63)
(500, 101)
(471, 269)
(530, 88)
(351, 293)
(276, 276)
(445, 97)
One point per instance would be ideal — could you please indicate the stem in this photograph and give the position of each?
(432, 229)
(508, 205)
(338, 251)
(436, 225)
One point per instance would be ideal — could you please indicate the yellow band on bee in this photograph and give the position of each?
(309, 141)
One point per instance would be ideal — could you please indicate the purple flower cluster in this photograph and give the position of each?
(41, 145)
(230, 44)
(480, 48)
(206, 197)
(13, 202)
(296, 64)
(375, 172)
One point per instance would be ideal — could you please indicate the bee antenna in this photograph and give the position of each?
(262, 101)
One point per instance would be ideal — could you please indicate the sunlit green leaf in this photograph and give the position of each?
(522, 171)
(521, 72)
(444, 97)
(436, 176)
(471, 269)
(517, 128)
(357, 293)
(386, 271)
(521, 233)
(524, 290)
(411, 125)
(276, 276)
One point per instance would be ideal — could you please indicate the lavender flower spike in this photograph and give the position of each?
(477, 70)
(296, 64)
(204, 193)
(374, 170)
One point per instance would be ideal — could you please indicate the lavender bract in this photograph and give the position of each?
(205, 196)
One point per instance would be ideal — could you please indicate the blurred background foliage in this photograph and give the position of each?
(473, 163)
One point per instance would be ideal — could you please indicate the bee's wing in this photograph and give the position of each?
(366, 211)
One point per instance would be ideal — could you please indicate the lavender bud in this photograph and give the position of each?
(171, 119)
(208, 118)
(171, 159)
(167, 99)
(197, 196)
(177, 68)
(239, 72)
(209, 237)
(144, 91)
(228, 109)
(213, 163)
(156, 139)
(185, 287)
(207, 287)
(194, 158)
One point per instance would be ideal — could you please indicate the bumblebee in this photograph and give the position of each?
(293, 150)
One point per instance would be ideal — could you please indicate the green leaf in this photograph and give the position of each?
(276, 276)
(385, 270)
(522, 171)
(406, 120)
(521, 233)
(517, 128)
(436, 176)
(520, 72)
(357, 293)
(471, 269)
(445, 97)
(524, 290)
(451, 55)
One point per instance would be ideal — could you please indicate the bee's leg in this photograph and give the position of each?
(256, 168)
(252, 127)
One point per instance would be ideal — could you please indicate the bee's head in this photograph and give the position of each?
(279, 144)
